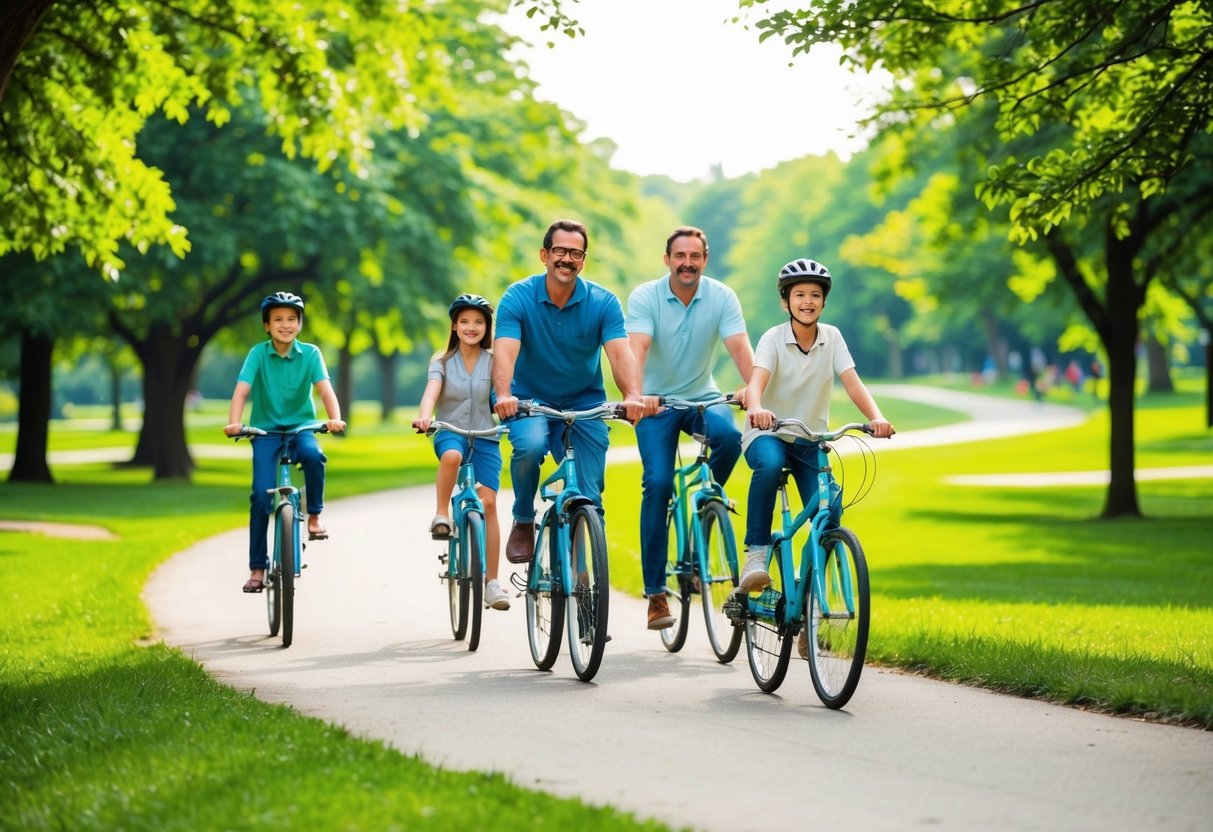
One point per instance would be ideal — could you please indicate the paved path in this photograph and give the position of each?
(678, 737)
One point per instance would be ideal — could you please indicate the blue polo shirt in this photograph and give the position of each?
(560, 350)
(281, 393)
(680, 358)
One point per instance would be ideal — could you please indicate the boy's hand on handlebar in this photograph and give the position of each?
(882, 428)
(335, 425)
(761, 419)
(506, 407)
(233, 429)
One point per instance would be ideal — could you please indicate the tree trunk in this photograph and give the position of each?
(168, 365)
(1158, 366)
(345, 381)
(19, 20)
(33, 410)
(1121, 345)
(1209, 383)
(387, 384)
(115, 396)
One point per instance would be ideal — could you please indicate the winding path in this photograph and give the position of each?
(678, 737)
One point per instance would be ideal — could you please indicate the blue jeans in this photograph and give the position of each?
(657, 438)
(767, 456)
(305, 450)
(532, 437)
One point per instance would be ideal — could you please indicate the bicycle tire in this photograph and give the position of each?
(544, 600)
(838, 645)
(589, 606)
(287, 531)
(678, 587)
(273, 592)
(768, 647)
(457, 591)
(718, 579)
(473, 534)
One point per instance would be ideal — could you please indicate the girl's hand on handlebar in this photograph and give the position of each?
(882, 428)
(335, 425)
(761, 419)
(421, 425)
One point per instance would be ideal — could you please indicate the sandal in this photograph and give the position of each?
(254, 585)
(440, 528)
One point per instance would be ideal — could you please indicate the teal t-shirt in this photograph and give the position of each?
(281, 394)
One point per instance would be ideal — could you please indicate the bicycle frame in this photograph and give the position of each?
(464, 500)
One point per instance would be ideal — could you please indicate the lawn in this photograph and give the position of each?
(1016, 589)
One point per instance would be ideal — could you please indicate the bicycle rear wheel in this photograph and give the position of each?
(587, 613)
(678, 587)
(718, 579)
(768, 647)
(287, 529)
(838, 619)
(544, 600)
(473, 534)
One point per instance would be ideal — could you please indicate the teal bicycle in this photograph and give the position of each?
(824, 604)
(286, 553)
(702, 550)
(568, 575)
(464, 561)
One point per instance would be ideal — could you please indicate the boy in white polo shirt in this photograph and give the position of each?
(794, 368)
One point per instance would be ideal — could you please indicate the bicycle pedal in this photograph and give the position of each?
(734, 608)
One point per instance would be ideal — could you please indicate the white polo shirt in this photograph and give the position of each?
(801, 383)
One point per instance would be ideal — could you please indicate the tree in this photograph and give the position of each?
(1101, 113)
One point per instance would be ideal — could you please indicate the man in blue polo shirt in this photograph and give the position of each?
(551, 330)
(674, 324)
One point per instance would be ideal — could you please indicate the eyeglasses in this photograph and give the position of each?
(573, 253)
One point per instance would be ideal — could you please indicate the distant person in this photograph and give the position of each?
(794, 368)
(460, 386)
(674, 324)
(279, 375)
(551, 330)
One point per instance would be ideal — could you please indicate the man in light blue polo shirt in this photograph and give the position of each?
(674, 324)
(551, 331)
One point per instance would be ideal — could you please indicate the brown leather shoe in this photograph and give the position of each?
(520, 546)
(659, 613)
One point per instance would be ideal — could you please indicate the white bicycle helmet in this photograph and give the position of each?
(803, 270)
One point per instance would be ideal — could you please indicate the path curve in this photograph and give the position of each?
(678, 737)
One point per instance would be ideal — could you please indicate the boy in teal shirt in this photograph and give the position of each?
(278, 375)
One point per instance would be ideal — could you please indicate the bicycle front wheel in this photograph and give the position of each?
(470, 542)
(273, 591)
(838, 619)
(457, 590)
(587, 613)
(544, 600)
(677, 587)
(287, 529)
(768, 647)
(718, 579)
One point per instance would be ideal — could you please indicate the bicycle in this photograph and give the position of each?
(286, 555)
(828, 596)
(464, 560)
(569, 532)
(702, 551)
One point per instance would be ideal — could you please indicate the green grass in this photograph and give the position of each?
(1018, 590)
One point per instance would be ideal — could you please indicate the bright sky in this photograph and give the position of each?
(679, 89)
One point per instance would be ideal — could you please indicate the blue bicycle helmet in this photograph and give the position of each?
(470, 301)
(281, 299)
(803, 270)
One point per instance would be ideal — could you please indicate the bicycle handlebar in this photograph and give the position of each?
(685, 404)
(604, 411)
(249, 430)
(437, 425)
(826, 436)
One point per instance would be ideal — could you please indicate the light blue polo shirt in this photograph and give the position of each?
(560, 350)
(281, 393)
(683, 351)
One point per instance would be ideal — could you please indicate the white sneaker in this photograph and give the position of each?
(495, 597)
(754, 575)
